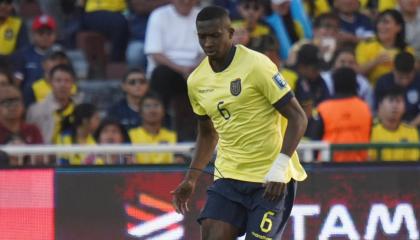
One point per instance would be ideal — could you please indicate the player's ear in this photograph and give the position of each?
(231, 31)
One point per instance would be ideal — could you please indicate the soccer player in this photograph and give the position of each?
(238, 94)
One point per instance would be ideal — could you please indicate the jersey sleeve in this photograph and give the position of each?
(197, 108)
(270, 82)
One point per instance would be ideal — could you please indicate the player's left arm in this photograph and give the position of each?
(296, 126)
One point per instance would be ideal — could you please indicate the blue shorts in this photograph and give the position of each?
(242, 205)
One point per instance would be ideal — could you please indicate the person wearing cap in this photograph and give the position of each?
(28, 61)
(13, 34)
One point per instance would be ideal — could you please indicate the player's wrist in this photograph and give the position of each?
(277, 172)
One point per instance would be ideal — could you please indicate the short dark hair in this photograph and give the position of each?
(394, 91)
(111, 121)
(212, 12)
(56, 55)
(151, 95)
(309, 55)
(340, 51)
(64, 68)
(131, 71)
(325, 16)
(404, 62)
(345, 81)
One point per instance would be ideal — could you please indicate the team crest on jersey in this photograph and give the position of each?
(278, 78)
(235, 87)
(8, 34)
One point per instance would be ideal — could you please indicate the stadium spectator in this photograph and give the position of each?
(28, 61)
(375, 56)
(241, 35)
(13, 35)
(345, 118)
(314, 8)
(106, 17)
(345, 58)
(269, 46)
(49, 113)
(41, 88)
(390, 129)
(11, 117)
(354, 25)
(326, 29)
(137, 22)
(405, 76)
(251, 12)
(5, 77)
(112, 132)
(152, 131)
(411, 13)
(173, 53)
(373, 7)
(310, 87)
(78, 128)
(126, 111)
(287, 21)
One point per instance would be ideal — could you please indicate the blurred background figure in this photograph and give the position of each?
(28, 61)
(345, 118)
(13, 129)
(345, 57)
(41, 88)
(252, 12)
(354, 25)
(410, 10)
(406, 77)
(375, 56)
(106, 17)
(13, 35)
(112, 132)
(173, 53)
(152, 131)
(127, 110)
(79, 128)
(326, 29)
(289, 23)
(48, 114)
(139, 12)
(389, 128)
(12, 117)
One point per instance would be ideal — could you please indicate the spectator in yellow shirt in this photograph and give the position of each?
(390, 128)
(79, 129)
(152, 132)
(375, 56)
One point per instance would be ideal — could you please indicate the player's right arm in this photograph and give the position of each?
(206, 142)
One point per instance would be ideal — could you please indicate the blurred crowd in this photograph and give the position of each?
(353, 66)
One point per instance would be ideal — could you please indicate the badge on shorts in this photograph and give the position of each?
(278, 78)
(235, 87)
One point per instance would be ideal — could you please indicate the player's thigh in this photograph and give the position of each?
(268, 219)
(212, 229)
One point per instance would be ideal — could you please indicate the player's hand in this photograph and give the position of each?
(181, 196)
(274, 190)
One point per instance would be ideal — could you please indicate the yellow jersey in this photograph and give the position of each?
(368, 50)
(382, 4)
(239, 101)
(9, 31)
(105, 5)
(141, 136)
(41, 89)
(404, 133)
(78, 158)
(259, 31)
